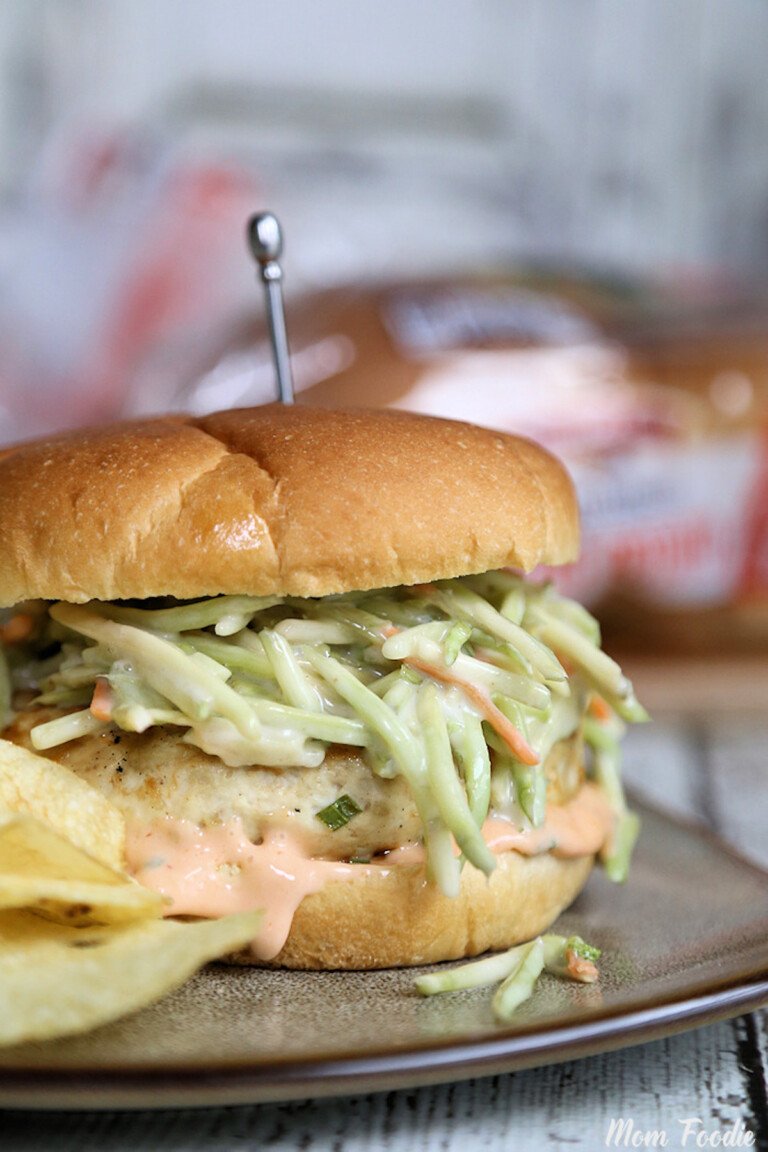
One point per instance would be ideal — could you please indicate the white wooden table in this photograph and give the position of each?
(699, 762)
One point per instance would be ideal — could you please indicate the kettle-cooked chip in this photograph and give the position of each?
(60, 798)
(99, 974)
(81, 943)
(41, 870)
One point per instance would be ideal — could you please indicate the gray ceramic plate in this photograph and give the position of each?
(686, 942)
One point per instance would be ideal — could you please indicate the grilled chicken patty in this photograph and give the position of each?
(153, 775)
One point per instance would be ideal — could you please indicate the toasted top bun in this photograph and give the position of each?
(275, 500)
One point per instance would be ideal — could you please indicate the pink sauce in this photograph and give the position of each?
(578, 828)
(218, 870)
(215, 871)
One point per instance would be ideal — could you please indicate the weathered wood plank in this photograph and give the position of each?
(737, 762)
(662, 764)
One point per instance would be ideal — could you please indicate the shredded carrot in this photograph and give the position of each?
(503, 727)
(102, 701)
(18, 628)
(599, 708)
(580, 968)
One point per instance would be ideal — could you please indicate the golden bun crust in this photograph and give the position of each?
(396, 919)
(275, 500)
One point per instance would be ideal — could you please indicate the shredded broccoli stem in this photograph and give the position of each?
(294, 682)
(517, 971)
(616, 854)
(475, 974)
(64, 728)
(531, 792)
(445, 784)
(227, 614)
(248, 661)
(519, 985)
(471, 752)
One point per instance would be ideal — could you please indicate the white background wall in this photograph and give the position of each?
(634, 131)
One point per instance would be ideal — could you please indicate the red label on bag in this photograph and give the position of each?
(754, 579)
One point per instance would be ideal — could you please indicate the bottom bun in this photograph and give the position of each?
(391, 918)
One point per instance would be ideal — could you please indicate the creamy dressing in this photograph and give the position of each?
(216, 870)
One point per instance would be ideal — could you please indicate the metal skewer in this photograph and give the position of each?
(266, 243)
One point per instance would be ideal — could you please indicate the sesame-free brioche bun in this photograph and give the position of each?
(397, 919)
(275, 500)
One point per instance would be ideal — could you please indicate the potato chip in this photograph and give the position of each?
(41, 870)
(81, 943)
(56, 980)
(54, 794)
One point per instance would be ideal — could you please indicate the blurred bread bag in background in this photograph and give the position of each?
(655, 395)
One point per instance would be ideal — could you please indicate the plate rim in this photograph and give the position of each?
(174, 1087)
(154, 1087)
